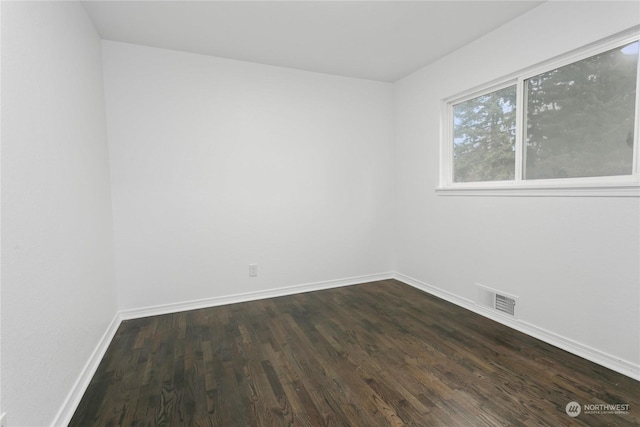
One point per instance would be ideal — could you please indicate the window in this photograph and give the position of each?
(484, 137)
(569, 125)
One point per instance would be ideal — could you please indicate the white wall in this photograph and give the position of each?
(2, 413)
(574, 262)
(58, 279)
(216, 164)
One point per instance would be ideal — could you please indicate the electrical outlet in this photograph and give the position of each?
(3, 420)
(253, 270)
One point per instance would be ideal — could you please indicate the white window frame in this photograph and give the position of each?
(612, 186)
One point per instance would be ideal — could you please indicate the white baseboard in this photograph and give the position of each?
(70, 404)
(596, 356)
(249, 296)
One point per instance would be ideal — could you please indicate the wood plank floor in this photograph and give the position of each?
(377, 354)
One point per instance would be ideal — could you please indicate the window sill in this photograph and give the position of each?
(616, 190)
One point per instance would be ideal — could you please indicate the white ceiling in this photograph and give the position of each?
(377, 40)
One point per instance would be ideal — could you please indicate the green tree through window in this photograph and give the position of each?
(580, 118)
(577, 121)
(484, 137)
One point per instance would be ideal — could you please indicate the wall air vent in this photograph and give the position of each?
(496, 300)
(505, 304)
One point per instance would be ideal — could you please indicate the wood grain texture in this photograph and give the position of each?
(376, 354)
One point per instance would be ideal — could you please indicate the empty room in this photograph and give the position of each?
(310, 213)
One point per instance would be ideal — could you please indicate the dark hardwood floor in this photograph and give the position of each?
(376, 354)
